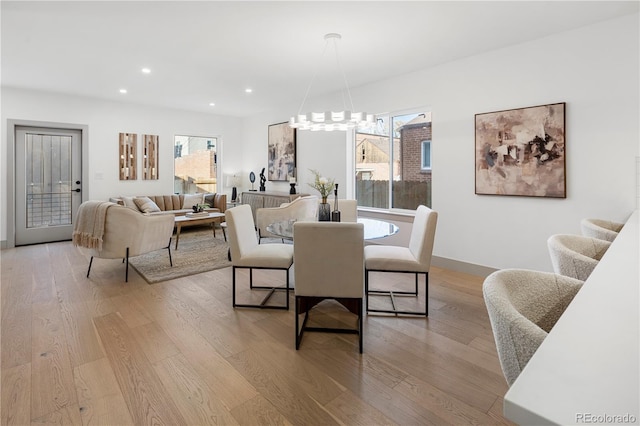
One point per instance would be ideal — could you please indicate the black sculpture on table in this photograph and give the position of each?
(335, 214)
(263, 179)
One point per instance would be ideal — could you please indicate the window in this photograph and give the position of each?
(195, 164)
(393, 162)
(426, 155)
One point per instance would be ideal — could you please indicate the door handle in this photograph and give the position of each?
(75, 190)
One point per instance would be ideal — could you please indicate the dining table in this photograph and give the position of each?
(373, 228)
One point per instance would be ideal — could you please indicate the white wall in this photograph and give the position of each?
(593, 69)
(105, 120)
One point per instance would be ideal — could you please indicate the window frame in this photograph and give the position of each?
(389, 116)
(422, 166)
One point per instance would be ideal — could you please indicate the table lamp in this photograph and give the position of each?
(233, 181)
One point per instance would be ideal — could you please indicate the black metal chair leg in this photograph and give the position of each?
(392, 294)
(89, 270)
(233, 285)
(126, 274)
(360, 314)
(169, 249)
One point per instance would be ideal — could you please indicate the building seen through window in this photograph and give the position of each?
(393, 162)
(195, 164)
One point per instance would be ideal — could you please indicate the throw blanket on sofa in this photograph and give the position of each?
(89, 226)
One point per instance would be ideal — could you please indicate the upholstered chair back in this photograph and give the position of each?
(523, 307)
(574, 255)
(329, 259)
(241, 232)
(348, 209)
(423, 235)
(300, 209)
(601, 229)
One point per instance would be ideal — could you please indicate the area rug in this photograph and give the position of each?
(198, 251)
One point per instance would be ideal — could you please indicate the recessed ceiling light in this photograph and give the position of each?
(123, 90)
(146, 70)
(248, 90)
(212, 104)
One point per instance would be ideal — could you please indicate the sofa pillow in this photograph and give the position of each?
(191, 200)
(128, 202)
(208, 199)
(146, 205)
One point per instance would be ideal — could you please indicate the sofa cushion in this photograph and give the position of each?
(128, 202)
(146, 205)
(218, 201)
(191, 200)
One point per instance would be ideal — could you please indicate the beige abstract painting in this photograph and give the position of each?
(521, 152)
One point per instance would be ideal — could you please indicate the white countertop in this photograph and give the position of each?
(587, 369)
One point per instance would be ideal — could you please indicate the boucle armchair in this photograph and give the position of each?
(601, 229)
(523, 307)
(128, 233)
(574, 255)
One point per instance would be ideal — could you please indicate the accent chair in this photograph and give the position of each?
(523, 307)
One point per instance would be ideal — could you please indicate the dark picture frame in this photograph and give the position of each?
(521, 152)
(281, 152)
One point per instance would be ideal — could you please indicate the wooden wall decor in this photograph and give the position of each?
(150, 157)
(128, 156)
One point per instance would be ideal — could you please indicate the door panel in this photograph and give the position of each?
(48, 187)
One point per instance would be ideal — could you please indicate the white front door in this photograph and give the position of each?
(47, 183)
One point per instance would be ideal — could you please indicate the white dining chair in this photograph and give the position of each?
(348, 209)
(246, 253)
(329, 264)
(414, 259)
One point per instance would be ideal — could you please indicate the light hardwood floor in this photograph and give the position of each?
(105, 352)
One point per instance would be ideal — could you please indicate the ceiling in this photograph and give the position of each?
(211, 51)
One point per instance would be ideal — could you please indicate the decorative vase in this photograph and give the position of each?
(324, 211)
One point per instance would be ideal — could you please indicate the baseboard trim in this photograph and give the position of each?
(464, 267)
(3, 244)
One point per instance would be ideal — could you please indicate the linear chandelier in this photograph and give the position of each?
(330, 120)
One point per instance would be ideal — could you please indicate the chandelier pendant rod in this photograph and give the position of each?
(344, 75)
(313, 79)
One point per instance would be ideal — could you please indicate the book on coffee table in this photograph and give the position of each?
(199, 214)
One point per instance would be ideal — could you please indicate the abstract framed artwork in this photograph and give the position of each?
(128, 156)
(282, 152)
(521, 152)
(150, 157)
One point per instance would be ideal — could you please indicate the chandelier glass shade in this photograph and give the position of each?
(331, 120)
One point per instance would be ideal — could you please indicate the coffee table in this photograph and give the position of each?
(210, 218)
